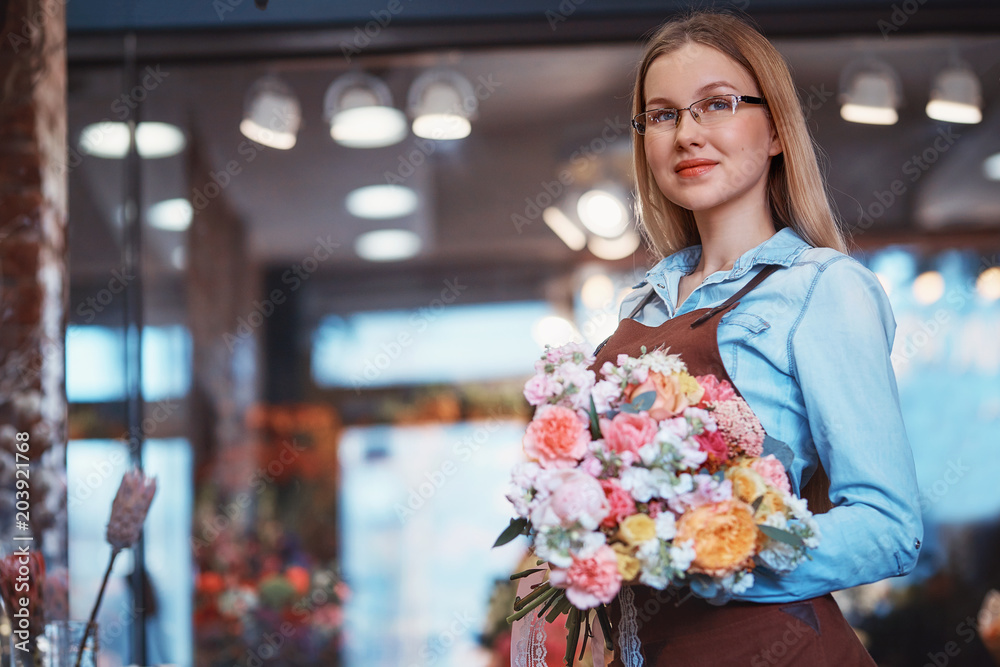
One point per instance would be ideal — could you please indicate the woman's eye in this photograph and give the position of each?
(719, 104)
(661, 116)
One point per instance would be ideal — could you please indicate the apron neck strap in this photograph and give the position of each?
(734, 299)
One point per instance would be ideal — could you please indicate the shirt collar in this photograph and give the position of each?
(782, 248)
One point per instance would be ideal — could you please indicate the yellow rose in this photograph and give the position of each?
(628, 565)
(637, 529)
(748, 485)
(691, 388)
(724, 535)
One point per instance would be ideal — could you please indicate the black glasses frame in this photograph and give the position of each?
(640, 128)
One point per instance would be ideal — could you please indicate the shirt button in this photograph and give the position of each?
(661, 285)
(916, 544)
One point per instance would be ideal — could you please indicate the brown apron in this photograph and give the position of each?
(679, 629)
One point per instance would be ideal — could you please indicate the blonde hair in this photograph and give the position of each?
(796, 193)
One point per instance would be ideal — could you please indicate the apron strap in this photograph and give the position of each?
(731, 301)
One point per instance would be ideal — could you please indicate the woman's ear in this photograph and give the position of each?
(775, 148)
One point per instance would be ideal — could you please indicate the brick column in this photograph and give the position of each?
(33, 272)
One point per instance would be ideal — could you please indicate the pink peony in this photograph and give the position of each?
(713, 444)
(628, 432)
(556, 437)
(620, 503)
(590, 581)
(715, 390)
(670, 397)
(772, 471)
(740, 427)
(575, 497)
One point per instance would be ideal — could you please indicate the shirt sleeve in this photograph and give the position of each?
(839, 354)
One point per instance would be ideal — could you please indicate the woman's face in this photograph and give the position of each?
(707, 168)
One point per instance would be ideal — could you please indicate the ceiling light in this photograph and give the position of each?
(956, 96)
(991, 167)
(928, 287)
(171, 214)
(597, 291)
(554, 330)
(870, 94)
(602, 213)
(387, 245)
(564, 228)
(360, 112)
(271, 114)
(379, 202)
(612, 249)
(442, 104)
(111, 140)
(988, 284)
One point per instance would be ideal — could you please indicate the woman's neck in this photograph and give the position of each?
(725, 238)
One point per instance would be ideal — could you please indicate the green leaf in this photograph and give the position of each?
(515, 528)
(782, 536)
(595, 424)
(756, 503)
(643, 401)
(602, 616)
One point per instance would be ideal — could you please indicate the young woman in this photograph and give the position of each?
(754, 286)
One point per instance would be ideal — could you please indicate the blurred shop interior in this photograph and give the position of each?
(337, 315)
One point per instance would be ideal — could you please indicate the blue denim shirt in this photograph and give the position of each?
(809, 350)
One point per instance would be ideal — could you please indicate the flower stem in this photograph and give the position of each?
(97, 605)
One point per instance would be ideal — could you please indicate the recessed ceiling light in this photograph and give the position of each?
(554, 330)
(171, 214)
(928, 287)
(602, 213)
(379, 202)
(956, 96)
(991, 167)
(988, 284)
(271, 114)
(387, 245)
(611, 249)
(111, 140)
(359, 109)
(870, 95)
(443, 104)
(564, 228)
(597, 291)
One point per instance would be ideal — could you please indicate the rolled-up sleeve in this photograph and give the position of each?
(839, 353)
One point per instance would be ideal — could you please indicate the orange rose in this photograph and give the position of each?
(671, 399)
(724, 535)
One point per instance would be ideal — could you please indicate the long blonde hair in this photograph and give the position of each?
(795, 189)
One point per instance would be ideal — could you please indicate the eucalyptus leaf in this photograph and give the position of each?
(643, 401)
(757, 502)
(516, 527)
(595, 424)
(782, 536)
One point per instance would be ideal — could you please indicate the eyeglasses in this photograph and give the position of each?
(715, 109)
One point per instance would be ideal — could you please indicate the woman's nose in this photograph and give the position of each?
(687, 129)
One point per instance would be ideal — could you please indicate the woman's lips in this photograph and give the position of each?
(695, 170)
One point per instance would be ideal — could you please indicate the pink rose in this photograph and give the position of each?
(557, 437)
(590, 581)
(670, 397)
(620, 503)
(713, 444)
(628, 432)
(772, 471)
(715, 390)
(575, 497)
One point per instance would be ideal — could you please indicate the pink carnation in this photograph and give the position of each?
(628, 432)
(556, 437)
(713, 444)
(740, 427)
(539, 389)
(772, 471)
(590, 581)
(619, 501)
(715, 390)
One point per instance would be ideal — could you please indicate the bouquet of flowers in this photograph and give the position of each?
(646, 474)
